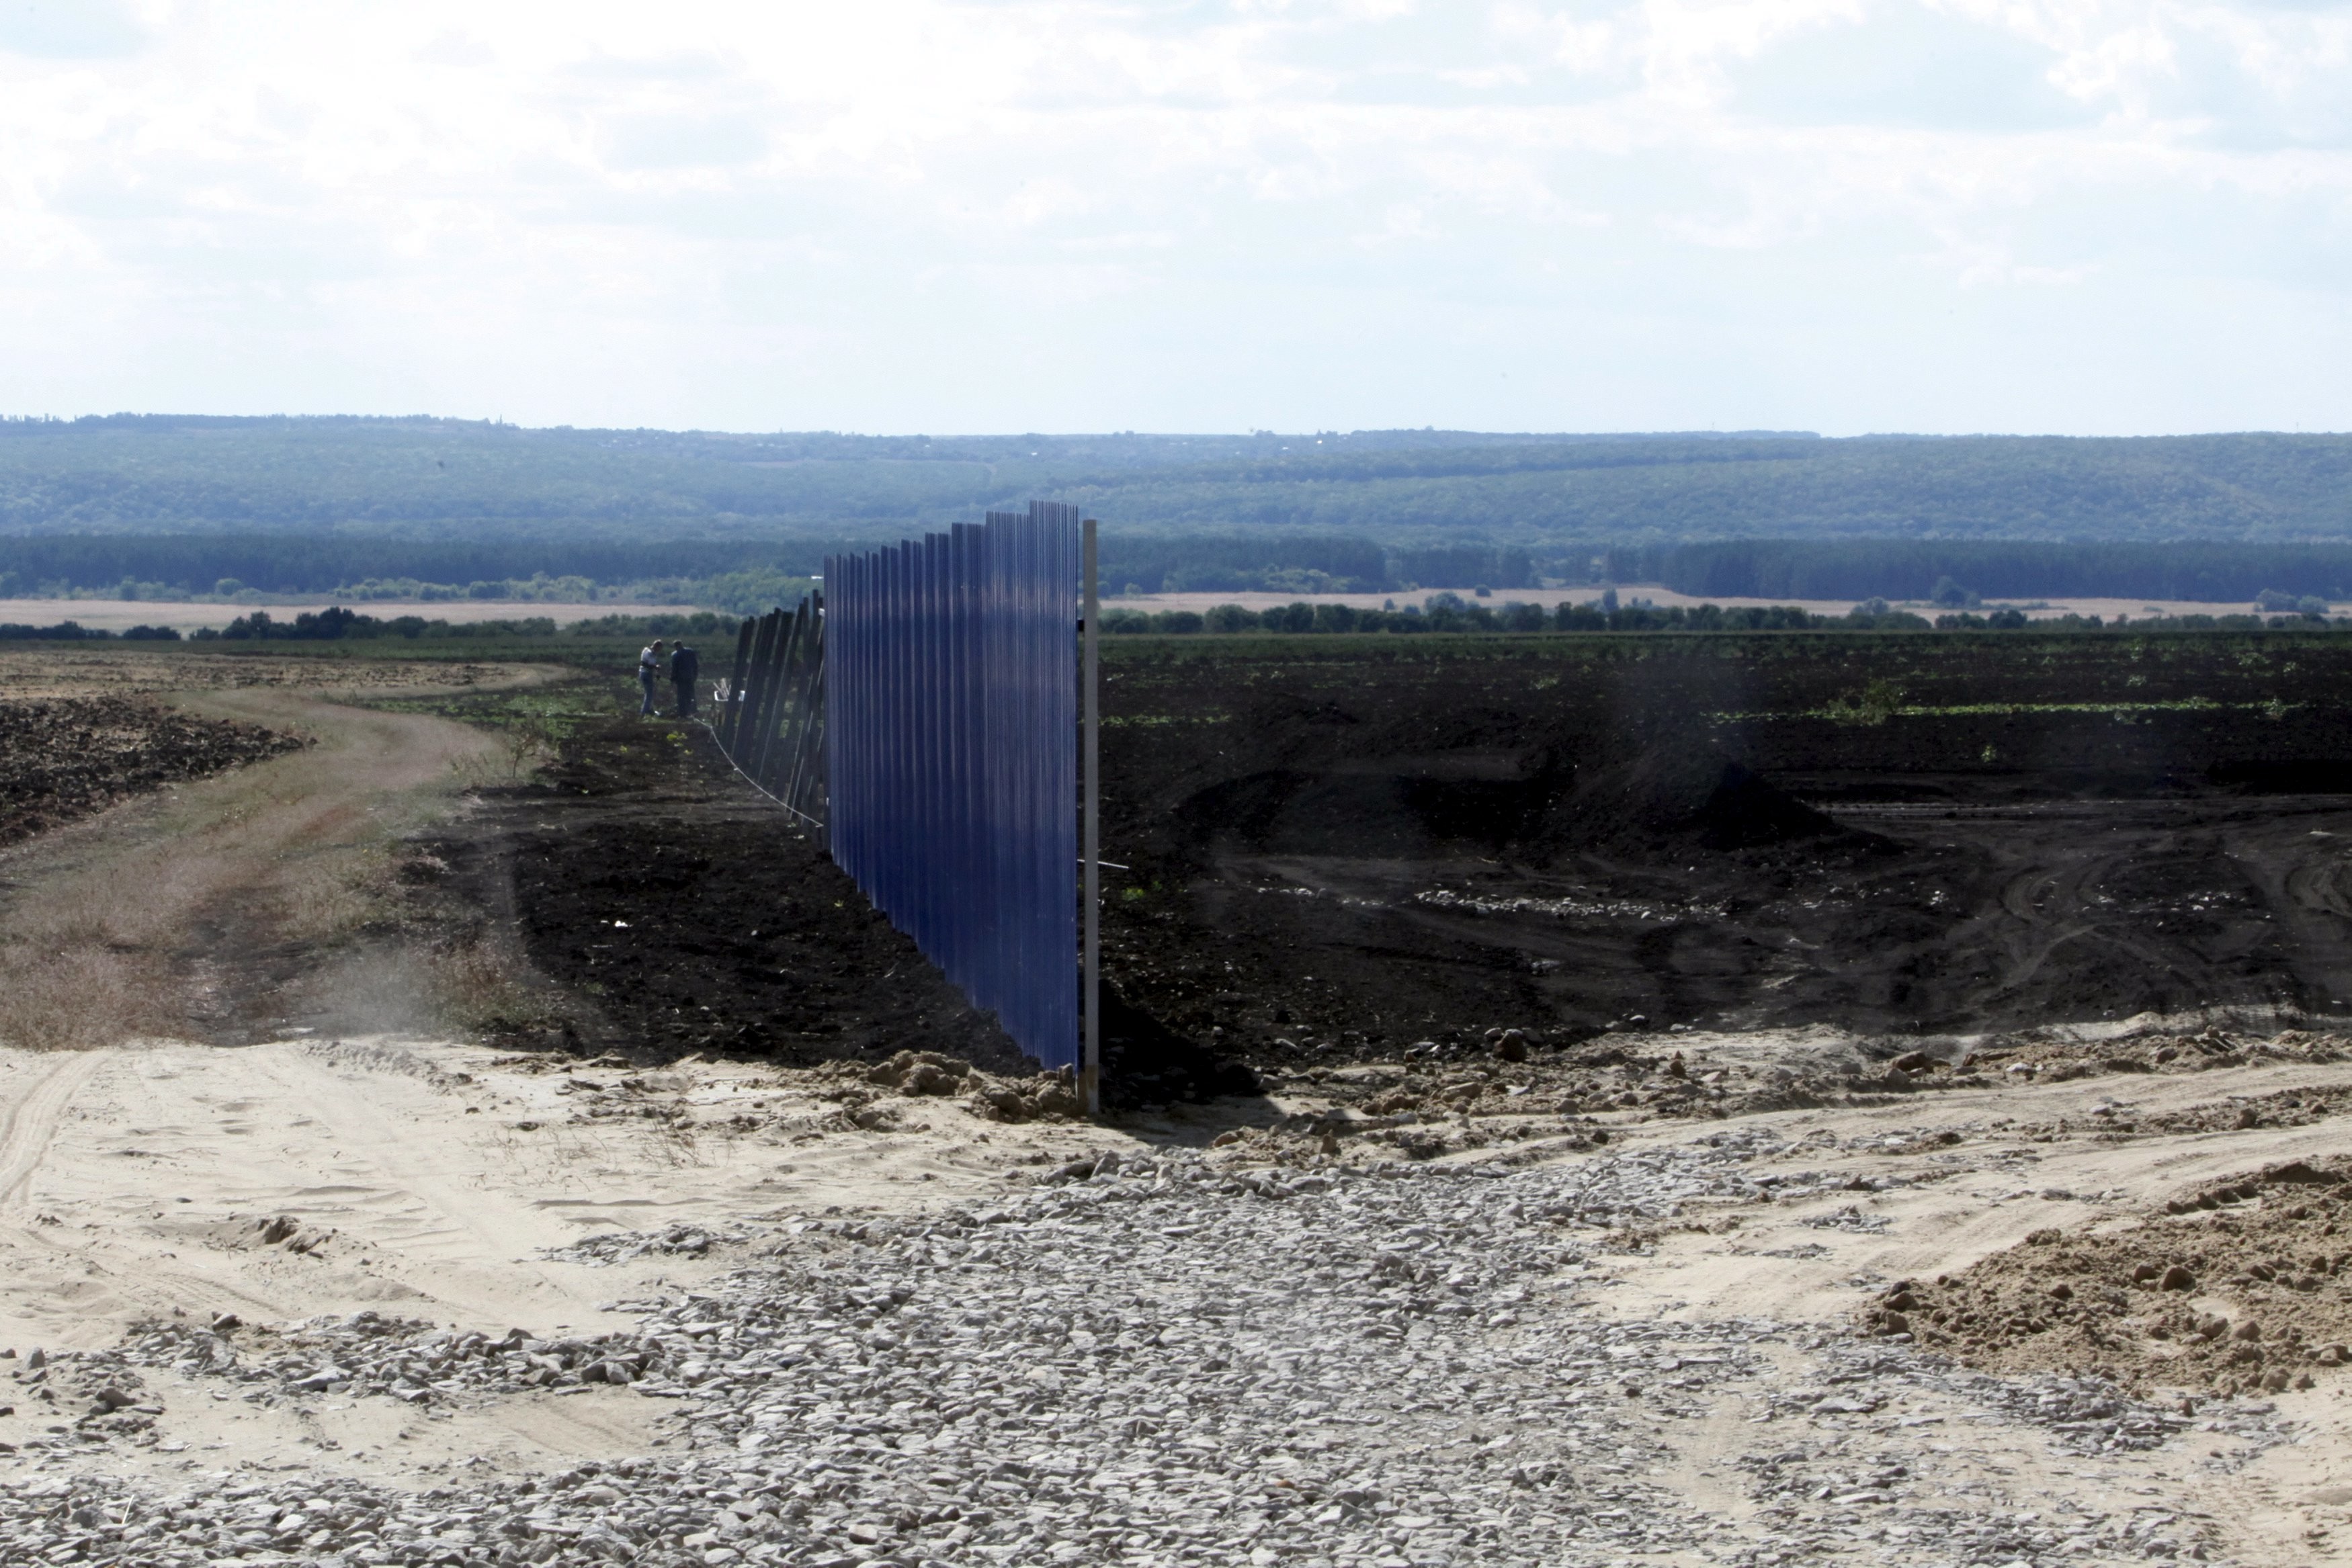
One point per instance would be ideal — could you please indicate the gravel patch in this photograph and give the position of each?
(1170, 1359)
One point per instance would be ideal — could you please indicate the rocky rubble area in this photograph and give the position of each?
(2058, 1059)
(1169, 1358)
(2277, 1244)
(861, 1091)
(68, 757)
(1453, 1097)
(879, 1097)
(1515, 1072)
(1509, 1088)
(96, 1397)
(2117, 1122)
(412, 1360)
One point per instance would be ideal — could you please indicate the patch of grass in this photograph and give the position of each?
(481, 987)
(529, 725)
(1879, 700)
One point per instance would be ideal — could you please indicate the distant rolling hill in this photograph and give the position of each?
(184, 501)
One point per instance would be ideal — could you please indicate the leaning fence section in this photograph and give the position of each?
(951, 757)
(771, 722)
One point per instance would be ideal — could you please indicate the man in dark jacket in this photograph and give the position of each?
(685, 664)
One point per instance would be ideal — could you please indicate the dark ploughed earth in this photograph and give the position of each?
(63, 758)
(1365, 845)
(1344, 847)
(678, 910)
(682, 910)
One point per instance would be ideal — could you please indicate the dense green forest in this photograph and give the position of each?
(314, 504)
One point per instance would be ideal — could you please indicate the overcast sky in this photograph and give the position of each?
(2127, 216)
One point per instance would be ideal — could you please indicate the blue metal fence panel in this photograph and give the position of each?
(952, 714)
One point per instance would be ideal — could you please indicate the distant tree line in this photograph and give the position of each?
(321, 563)
(1449, 612)
(336, 624)
(728, 574)
(745, 577)
(366, 508)
(1275, 562)
(469, 480)
(74, 631)
(1912, 569)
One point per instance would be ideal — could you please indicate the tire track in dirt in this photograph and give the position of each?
(457, 1228)
(199, 912)
(31, 1126)
(28, 1135)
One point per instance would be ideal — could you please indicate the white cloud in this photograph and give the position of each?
(1824, 212)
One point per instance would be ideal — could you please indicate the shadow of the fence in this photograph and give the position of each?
(1145, 1063)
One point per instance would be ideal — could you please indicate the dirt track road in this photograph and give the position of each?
(199, 911)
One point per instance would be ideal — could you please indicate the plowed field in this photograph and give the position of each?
(66, 757)
(1354, 846)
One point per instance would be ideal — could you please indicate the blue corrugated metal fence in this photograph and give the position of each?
(770, 715)
(951, 732)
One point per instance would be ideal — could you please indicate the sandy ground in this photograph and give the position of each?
(130, 1181)
(415, 1177)
(435, 1181)
(115, 614)
(2106, 609)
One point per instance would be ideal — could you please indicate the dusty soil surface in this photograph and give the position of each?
(73, 671)
(218, 907)
(367, 1300)
(2139, 1303)
(172, 1183)
(66, 759)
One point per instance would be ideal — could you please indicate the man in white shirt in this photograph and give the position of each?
(649, 664)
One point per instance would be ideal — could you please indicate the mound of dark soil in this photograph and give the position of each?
(1671, 796)
(68, 757)
(2274, 1245)
(1385, 809)
(1530, 803)
(1145, 1063)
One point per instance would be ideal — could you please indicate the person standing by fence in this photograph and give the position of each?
(685, 665)
(649, 664)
